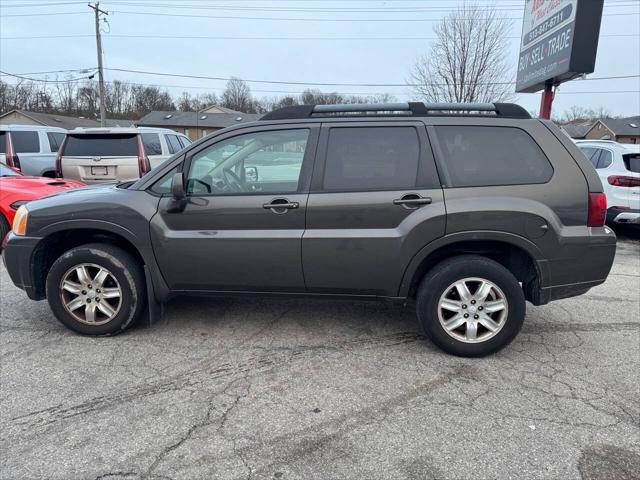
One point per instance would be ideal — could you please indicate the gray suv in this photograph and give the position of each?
(466, 210)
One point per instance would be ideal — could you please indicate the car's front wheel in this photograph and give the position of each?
(96, 289)
(470, 305)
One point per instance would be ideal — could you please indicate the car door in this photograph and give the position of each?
(375, 201)
(242, 227)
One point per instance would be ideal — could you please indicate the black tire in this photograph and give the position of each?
(437, 282)
(4, 227)
(124, 269)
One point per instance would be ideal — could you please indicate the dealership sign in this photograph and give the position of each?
(559, 41)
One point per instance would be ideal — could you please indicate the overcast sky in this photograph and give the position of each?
(354, 49)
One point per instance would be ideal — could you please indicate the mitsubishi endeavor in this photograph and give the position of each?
(465, 210)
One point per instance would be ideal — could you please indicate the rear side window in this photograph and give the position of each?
(25, 142)
(55, 140)
(3, 142)
(151, 142)
(485, 156)
(173, 143)
(605, 159)
(371, 158)
(632, 162)
(101, 146)
(592, 155)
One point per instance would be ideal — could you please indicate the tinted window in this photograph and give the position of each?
(25, 142)
(102, 146)
(173, 143)
(260, 162)
(3, 142)
(163, 186)
(483, 156)
(7, 172)
(632, 162)
(605, 159)
(55, 140)
(371, 158)
(151, 143)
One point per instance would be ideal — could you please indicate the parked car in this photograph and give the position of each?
(31, 148)
(97, 155)
(17, 189)
(468, 210)
(618, 165)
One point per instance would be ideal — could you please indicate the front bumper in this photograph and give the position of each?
(620, 216)
(17, 255)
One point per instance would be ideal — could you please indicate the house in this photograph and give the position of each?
(23, 117)
(577, 130)
(196, 124)
(621, 130)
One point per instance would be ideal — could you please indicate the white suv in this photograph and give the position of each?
(618, 165)
(31, 148)
(97, 155)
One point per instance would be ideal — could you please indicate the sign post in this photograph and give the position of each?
(559, 43)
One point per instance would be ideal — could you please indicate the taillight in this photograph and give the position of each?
(623, 181)
(143, 161)
(597, 209)
(12, 158)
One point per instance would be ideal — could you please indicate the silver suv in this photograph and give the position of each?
(31, 148)
(97, 155)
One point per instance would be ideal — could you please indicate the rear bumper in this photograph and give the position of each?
(585, 262)
(620, 216)
(17, 255)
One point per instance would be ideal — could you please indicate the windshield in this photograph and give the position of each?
(101, 146)
(7, 172)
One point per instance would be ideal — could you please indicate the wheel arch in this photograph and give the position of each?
(60, 238)
(517, 254)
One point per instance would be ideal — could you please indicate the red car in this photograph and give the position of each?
(17, 189)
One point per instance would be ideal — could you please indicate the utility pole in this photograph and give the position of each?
(96, 9)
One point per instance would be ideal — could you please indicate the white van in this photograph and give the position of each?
(96, 155)
(31, 148)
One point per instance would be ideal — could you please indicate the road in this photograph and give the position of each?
(323, 389)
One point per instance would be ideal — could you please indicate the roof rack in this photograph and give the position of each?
(416, 109)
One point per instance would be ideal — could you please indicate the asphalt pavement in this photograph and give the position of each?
(321, 389)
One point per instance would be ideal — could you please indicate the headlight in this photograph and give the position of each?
(20, 221)
(18, 204)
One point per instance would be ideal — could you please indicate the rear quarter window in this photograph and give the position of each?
(101, 146)
(151, 142)
(25, 142)
(632, 162)
(490, 156)
(55, 140)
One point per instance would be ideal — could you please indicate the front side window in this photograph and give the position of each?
(184, 141)
(25, 142)
(371, 158)
(486, 156)
(151, 143)
(260, 162)
(7, 172)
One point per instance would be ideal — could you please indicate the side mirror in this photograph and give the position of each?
(178, 201)
(251, 174)
(177, 187)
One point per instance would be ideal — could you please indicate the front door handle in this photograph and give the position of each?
(412, 201)
(280, 205)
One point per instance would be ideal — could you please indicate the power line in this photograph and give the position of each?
(40, 80)
(206, 37)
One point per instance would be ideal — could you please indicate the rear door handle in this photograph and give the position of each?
(412, 200)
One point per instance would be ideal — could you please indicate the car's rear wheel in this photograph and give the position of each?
(470, 306)
(96, 289)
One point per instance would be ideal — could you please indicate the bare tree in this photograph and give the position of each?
(467, 61)
(578, 113)
(237, 96)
